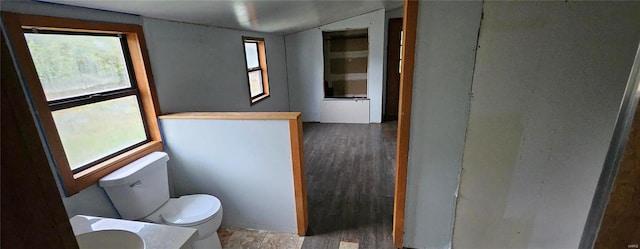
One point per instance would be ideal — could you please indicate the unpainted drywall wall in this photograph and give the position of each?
(548, 83)
(345, 63)
(245, 163)
(305, 66)
(201, 68)
(445, 49)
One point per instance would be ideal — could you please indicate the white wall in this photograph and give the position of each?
(247, 164)
(548, 83)
(201, 68)
(355, 111)
(445, 49)
(305, 65)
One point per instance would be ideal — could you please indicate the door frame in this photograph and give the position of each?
(622, 129)
(409, 28)
(614, 156)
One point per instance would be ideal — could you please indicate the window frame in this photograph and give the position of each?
(97, 97)
(141, 80)
(262, 59)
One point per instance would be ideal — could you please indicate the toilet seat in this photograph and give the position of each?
(190, 210)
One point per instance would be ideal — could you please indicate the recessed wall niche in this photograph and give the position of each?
(346, 56)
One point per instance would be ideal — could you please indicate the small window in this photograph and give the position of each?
(87, 82)
(258, 80)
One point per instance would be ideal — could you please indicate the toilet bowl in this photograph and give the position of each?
(140, 191)
(203, 212)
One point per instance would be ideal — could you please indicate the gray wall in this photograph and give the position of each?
(195, 67)
(548, 83)
(92, 200)
(247, 164)
(306, 68)
(192, 66)
(201, 68)
(445, 49)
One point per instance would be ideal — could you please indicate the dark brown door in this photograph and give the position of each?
(393, 69)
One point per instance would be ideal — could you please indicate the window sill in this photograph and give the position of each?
(258, 99)
(92, 175)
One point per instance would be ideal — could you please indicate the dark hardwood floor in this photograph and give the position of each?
(350, 180)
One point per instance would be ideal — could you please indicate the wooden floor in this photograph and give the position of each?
(350, 179)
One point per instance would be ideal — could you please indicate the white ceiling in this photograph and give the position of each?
(272, 16)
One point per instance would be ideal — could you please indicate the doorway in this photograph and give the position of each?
(349, 175)
(394, 61)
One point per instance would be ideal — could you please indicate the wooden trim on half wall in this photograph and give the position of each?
(299, 181)
(409, 27)
(297, 150)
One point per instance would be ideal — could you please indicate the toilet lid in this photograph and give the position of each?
(191, 210)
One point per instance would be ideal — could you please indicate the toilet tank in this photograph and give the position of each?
(140, 187)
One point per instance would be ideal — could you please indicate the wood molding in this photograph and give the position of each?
(262, 59)
(260, 98)
(68, 24)
(297, 150)
(299, 178)
(262, 50)
(13, 24)
(234, 115)
(144, 78)
(92, 175)
(409, 27)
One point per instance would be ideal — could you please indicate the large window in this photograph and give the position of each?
(256, 61)
(91, 87)
(91, 92)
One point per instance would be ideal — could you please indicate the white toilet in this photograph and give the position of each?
(140, 191)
